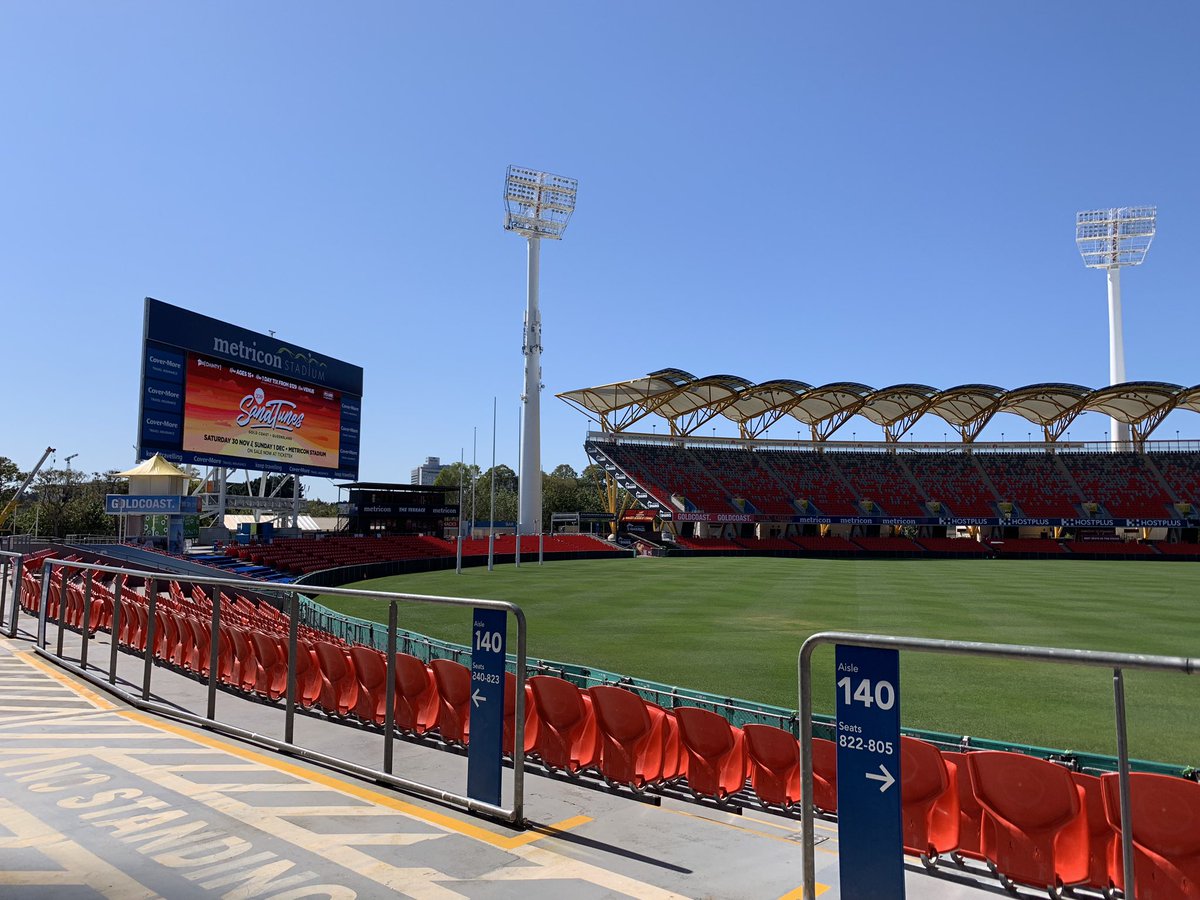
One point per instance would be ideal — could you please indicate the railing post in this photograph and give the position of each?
(1123, 781)
(12, 631)
(214, 651)
(389, 717)
(87, 619)
(43, 607)
(118, 592)
(62, 605)
(151, 633)
(289, 719)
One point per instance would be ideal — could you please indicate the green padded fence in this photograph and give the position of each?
(739, 712)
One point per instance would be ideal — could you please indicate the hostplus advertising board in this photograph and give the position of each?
(214, 394)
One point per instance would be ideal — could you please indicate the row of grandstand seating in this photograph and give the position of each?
(849, 483)
(304, 555)
(1035, 822)
(919, 545)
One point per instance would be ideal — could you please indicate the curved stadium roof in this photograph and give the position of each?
(687, 402)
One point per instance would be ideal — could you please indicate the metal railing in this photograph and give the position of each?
(63, 571)
(11, 565)
(1118, 662)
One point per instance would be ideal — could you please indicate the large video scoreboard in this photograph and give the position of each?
(214, 394)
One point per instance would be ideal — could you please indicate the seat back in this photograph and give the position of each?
(370, 670)
(628, 755)
(970, 814)
(716, 752)
(1030, 801)
(416, 695)
(342, 693)
(928, 799)
(1164, 815)
(567, 735)
(454, 693)
(774, 758)
(824, 754)
(1100, 833)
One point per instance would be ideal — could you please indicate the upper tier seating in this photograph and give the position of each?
(665, 471)
(1181, 472)
(1121, 483)
(1033, 482)
(813, 477)
(878, 477)
(953, 480)
(743, 475)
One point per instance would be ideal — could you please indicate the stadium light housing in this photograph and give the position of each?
(536, 205)
(1111, 239)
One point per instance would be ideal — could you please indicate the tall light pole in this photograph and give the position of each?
(1110, 239)
(537, 205)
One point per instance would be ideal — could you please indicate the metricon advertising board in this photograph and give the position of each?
(214, 394)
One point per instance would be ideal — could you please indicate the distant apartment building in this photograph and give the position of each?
(427, 473)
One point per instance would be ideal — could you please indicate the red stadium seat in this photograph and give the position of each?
(271, 653)
(1039, 835)
(1165, 819)
(716, 753)
(339, 690)
(929, 800)
(1100, 833)
(510, 712)
(674, 756)
(774, 756)
(370, 667)
(454, 700)
(567, 736)
(824, 775)
(417, 700)
(971, 820)
(631, 747)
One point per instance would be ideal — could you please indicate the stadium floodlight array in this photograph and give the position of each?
(1110, 239)
(536, 205)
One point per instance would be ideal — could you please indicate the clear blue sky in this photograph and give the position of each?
(876, 192)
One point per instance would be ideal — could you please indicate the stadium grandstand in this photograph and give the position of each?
(962, 497)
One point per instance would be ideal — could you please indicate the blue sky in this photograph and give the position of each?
(874, 192)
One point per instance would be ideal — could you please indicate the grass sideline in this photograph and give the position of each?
(733, 627)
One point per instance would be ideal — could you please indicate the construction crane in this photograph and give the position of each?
(11, 506)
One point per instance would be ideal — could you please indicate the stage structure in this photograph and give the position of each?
(219, 396)
(537, 205)
(1110, 239)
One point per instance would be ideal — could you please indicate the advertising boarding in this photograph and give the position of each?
(214, 394)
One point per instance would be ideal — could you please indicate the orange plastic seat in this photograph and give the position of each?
(1038, 835)
(774, 758)
(271, 654)
(183, 653)
(1100, 833)
(567, 737)
(371, 668)
(201, 646)
(674, 756)
(1164, 814)
(824, 775)
(929, 807)
(631, 746)
(417, 702)
(971, 818)
(339, 693)
(510, 712)
(246, 666)
(454, 700)
(716, 753)
(309, 680)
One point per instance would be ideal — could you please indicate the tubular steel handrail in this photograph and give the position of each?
(11, 564)
(514, 815)
(1118, 662)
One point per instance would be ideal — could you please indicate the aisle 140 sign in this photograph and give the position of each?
(870, 837)
(489, 629)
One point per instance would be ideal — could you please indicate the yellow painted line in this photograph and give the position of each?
(66, 682)
(799, 892)
(433, 817)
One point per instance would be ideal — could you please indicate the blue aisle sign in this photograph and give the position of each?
(489, 631)
(870, 835)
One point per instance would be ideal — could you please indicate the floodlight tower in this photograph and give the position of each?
(537, 205)
(1110, 239)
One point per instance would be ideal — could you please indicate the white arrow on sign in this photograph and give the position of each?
(477, 698)
(887, 778)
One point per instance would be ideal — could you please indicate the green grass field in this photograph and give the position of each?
(733, 626)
